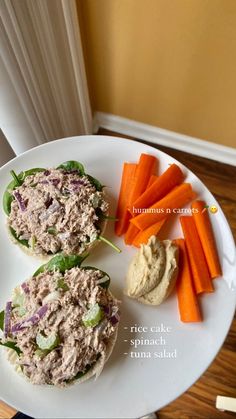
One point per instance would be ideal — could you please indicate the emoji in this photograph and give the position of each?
(213, 209)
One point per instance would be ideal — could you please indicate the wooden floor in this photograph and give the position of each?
(220, 378)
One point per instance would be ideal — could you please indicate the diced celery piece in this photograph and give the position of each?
(18, 298)
(62, 285)
(52, 230)
(93, 316)
(47, 342)
(33, 242)
(41, 353)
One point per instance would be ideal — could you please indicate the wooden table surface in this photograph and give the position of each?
(220, 378)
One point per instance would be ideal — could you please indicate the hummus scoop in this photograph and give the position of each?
(153, 272)
(146, 268)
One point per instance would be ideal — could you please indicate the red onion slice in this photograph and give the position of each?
(20, 201)
(44, 182)
(107, 310)
(76, 184)
(55, 206)
(25, 287)
(112, 313)
(55, 181)
(115, 319)
(115, 315)
(31, 321)
(52, 206)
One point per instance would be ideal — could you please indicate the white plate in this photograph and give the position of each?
(128, 387)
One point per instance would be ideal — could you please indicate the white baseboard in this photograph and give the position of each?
(165, 137)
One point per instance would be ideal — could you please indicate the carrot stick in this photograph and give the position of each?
(130, 234)
(126, 184)
(189, 309)
(145, 168)
(205, 232)
(201, 276)
(172, 177)
(141, 178)
(132, 231)
(174, 200)
(152, 179)
(143, 236)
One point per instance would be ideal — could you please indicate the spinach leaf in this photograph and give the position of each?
(23, 241)
(15, 178)
(103, 216)
(11, 345)
(72, 165)
(105, 240)
(17, 181)
(30, 172)
(99, 187)
(110, 217)
(2, 319)
(8, 197)
(82, 373)
(79, 374)
(104, 284)
(61, 263)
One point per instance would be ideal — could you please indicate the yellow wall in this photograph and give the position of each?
(169, 63)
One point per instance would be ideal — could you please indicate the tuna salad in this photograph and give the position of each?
(55, 210)
(62, 324)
